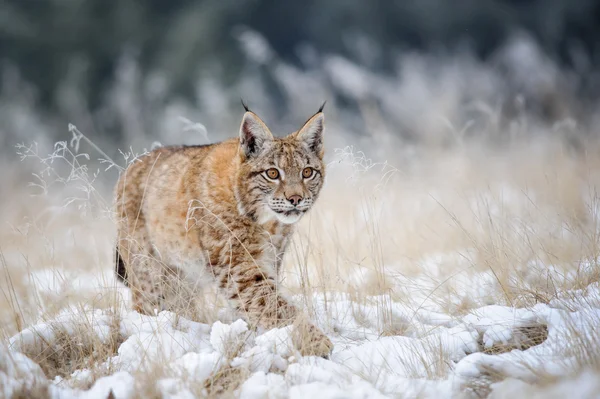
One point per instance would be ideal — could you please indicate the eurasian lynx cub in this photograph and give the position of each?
(224, 212)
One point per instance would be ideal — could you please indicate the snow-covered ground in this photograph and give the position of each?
(492, 348)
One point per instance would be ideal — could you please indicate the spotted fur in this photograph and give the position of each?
(223, 213)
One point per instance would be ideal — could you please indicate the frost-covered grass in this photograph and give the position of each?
(464, 271)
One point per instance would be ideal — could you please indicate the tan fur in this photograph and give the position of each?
(192, 214)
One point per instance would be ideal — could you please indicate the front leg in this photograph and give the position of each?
(253, 290)
(280, 253)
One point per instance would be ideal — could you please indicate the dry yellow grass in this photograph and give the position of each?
(456, 228)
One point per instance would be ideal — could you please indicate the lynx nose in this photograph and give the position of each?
(295, 200)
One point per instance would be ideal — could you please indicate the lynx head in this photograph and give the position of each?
(279, 177)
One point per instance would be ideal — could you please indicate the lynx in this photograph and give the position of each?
(222, 212)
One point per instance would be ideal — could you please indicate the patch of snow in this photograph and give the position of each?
(173, 388)
(224, 336)
(37, 337)
(586, 385)
(197, 366)
(122, 385)
(163, 339)
(498, 323)
(17, 372)
(435, 356)
(271, 352)
(263, 385)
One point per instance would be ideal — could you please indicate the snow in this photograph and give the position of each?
(262, 385)
(121, 384)
(224, 336)
(432, 354)
(36, 338)
(17, 372)
(556, 356)
(271, 351)
(498, 323)
(586, 385)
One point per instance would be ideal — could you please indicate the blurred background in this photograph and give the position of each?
(129, 72)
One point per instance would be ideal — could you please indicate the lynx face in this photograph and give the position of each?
(280, 177)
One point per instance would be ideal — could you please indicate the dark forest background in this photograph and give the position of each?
(63, 57)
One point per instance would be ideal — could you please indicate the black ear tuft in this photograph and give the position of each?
(311, 134)
(253, 134)
(246, 106)
(322, 106)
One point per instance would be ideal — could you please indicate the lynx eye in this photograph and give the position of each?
(272, 173)
(307, 172)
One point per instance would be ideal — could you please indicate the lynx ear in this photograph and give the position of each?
(254, 134)
(311, 133)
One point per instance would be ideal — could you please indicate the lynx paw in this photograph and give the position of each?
(311, 341)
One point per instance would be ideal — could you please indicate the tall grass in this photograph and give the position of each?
(436, 198)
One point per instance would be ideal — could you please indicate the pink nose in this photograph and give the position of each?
(295, 199)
